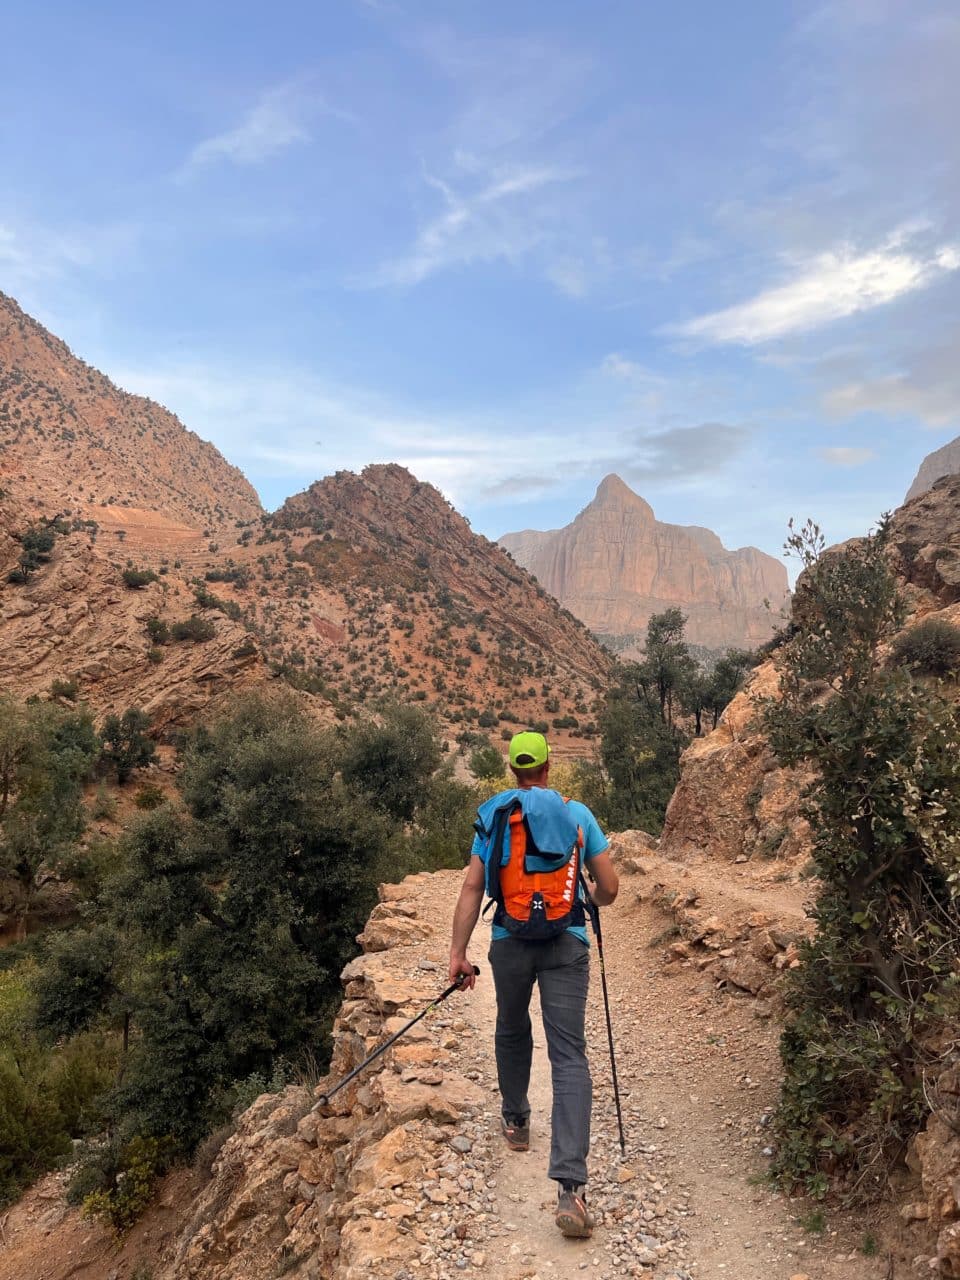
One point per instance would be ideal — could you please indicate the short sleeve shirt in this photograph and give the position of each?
(594, 842)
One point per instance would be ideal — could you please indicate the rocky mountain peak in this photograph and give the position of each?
(616, 565)
(614, 493)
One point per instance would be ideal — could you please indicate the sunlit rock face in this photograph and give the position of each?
(616, 565)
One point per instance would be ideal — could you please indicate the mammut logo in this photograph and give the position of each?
(571, 878)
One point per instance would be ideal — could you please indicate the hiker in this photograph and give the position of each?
(539, 935)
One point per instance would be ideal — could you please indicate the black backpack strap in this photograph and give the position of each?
(589, 906)
(495, 852)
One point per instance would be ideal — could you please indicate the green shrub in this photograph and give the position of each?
(876, 987)
(129, 1182)
(137, 578)
(193, 628)
(65, 689)
(930, 648)
(150, 796)
(158, 631)
(487, 762)
(126, 745)
(104, 807)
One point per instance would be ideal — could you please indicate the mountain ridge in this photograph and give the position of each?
(615, 565)
(361, 587)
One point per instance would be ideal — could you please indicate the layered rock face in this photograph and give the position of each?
(942, 462)
(733, 800)
(616, 565)
(356, 1187)
(362, 587)
(71, 440)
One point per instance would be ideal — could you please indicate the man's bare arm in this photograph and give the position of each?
(465, 917)
(606, 882)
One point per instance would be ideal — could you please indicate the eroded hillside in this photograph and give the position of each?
(166, 584)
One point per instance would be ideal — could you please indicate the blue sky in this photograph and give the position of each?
(513, 245)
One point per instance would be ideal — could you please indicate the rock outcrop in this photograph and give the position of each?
(942, 462)
(733, 800)
(616, 565)
(356, 1187)
(362, 587)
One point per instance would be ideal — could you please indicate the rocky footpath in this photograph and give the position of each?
(402, 1174)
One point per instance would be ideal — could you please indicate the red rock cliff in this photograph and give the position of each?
(616, 565)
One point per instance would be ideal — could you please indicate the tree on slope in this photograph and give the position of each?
(46, 753)
(879, 978)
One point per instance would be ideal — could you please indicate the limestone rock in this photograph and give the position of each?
(392, 931)
(942, 462)
(616, 565)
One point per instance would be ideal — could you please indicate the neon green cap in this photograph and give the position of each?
(528, 750)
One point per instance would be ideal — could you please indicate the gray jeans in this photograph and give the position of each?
(561, 968)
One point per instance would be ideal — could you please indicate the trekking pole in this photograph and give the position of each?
(324, 1098)
(594, 913)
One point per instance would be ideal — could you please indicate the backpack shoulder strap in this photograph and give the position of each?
(498, 832)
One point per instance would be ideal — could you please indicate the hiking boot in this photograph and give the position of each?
(516, 1132)
(573, 1217)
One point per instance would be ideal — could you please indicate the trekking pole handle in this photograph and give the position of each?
(323, 1099)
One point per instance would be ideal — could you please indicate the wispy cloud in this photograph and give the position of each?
(493, 222)
(846, 455)
(32, 252)
(289, 426)
(279, 119)
(827, 287)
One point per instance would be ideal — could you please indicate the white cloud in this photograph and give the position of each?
(827, 287)
(494, 222)
(277, 121)
(618, 366)
(33, 253)
(935, 401)
(292, 426)
(846, 456)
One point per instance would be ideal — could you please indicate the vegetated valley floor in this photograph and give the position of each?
(698, 1071)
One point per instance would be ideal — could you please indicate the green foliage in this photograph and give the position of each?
(390, 763)
(211, 937)
(126, 745)
(128, 1182)
(640, 757)
(158, 631)
(150, 796)
(36, 546)
(667, 665)
(930, 647)
(65, 689)
(138, 578)
(104, 805)
(487, 762)
(46, 754)
(878, 979)
(240, 913)
(48, 1096)
(443, 831)
(193, 628)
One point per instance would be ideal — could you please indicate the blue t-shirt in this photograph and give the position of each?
(594, 842)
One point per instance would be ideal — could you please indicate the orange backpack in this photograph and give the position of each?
(536, 893)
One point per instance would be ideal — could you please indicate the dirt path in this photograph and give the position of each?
(698, 1070)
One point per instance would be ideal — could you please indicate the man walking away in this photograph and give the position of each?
(527, 854)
